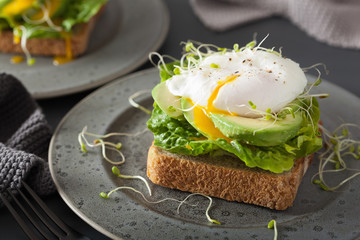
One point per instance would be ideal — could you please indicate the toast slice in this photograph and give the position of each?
(52, 46)
(226, 177)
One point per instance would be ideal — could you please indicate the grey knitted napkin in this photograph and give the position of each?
(24, 139)
(335, 22)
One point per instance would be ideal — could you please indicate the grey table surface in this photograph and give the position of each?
(343, 64)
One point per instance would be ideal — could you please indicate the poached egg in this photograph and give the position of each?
(229, 82)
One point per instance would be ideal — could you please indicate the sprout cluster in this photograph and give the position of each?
(340, 148)
(195, 52)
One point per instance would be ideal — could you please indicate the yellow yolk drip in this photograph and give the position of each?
(16, 39)
(201, 114)
(210, 104)
(204, 124)
(65, 59)
(17, 59)
(17, 7)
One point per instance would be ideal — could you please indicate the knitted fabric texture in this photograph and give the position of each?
(335, 22)
(24, 139)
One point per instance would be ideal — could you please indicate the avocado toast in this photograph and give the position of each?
(238, 124)
(59, 28)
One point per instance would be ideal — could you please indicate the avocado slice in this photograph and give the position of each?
(169, 103)
(256, 131)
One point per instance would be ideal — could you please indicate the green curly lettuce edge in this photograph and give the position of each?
(178, 136)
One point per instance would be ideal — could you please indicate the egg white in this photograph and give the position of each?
(264, 78)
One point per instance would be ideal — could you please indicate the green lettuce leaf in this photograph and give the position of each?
(3, 24)
(175, 136)
(178, 136)
(80, 11)
(34, 31)
(167, 73)
(281, 157)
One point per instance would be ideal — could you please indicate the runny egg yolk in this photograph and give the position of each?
(210, 104)
(16, 7)
(201, 114)
(16, 39)
(17, 59)
(69, 57)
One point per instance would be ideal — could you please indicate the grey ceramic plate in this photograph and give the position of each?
(120, 42)
(80, 178)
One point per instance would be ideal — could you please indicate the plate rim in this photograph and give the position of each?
(61, 192)
(101, 80)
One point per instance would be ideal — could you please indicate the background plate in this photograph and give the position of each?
(121, 41)
(79, 178)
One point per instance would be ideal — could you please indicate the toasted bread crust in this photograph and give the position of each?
(226, 178)
(52, 46)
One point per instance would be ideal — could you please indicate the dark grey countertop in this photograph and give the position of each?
(343, 66)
